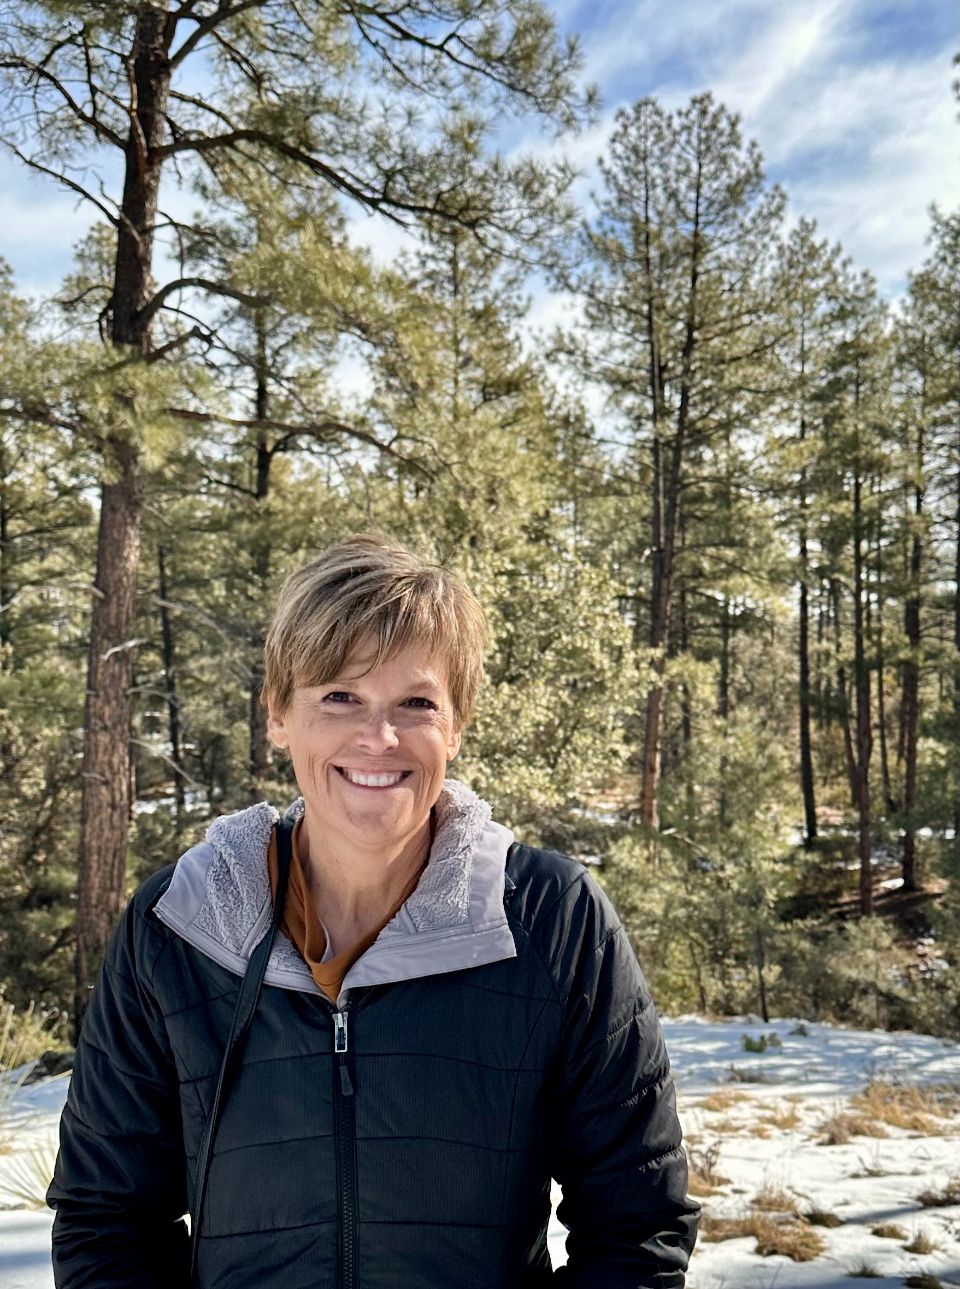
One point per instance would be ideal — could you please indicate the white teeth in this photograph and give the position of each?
(373, 780)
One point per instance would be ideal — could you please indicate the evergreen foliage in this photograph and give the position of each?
(725, 612)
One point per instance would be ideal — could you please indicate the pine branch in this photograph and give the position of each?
(154, 304)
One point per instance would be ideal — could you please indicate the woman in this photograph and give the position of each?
(449, 1018)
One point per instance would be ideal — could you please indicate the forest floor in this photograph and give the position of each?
(835, 1145)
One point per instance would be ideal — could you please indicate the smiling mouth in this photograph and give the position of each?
(374, 787)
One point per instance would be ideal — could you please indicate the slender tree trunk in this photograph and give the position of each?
(956, 666)
(259, 759)
(803, 643)
(911, 666)
(864, 740)
(686, 698)
(173, 703)
(843, 692)
(106, 794)
(761, 958)
(7, 594)
(6, 588)
(723, 705)
(651, 768)
(806, 744)
(890, 802)
(821, 682)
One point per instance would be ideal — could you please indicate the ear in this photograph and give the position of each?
(453, 743)
(276, 729)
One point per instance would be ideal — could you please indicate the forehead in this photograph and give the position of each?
(411, 666)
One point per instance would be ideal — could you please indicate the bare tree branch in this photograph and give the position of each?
(62, 179)
(154, 304)
(41, 72)
(322, 431)
(223, 13)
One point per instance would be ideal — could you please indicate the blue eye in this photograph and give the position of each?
(337, 693)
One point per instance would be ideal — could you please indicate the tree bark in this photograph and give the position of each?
(864, 733)
(170, 695)
(259, 760)
(803, 643)
(911, 666)
(956, 666)
(891, 804)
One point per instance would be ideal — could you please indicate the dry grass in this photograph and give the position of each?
(921, 1243)
(28, 1174)
(944, 1198)
(837, 1129)
(722, 1100)
(822, 1217)
(791, 1237)
(864, 1271)
(889, 1231)
(904, 1107)
(755, 1130)
(924, 1281)
(726, 1126)
(774, 1199)
(786, 1118)
(703, 1177)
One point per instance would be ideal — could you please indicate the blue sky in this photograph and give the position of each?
(850, 101)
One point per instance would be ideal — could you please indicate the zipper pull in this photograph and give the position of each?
(339, 1031)
(340, 1050)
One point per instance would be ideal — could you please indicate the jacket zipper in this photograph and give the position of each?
(344, 1110)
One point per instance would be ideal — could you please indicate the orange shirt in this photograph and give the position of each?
(302, 924)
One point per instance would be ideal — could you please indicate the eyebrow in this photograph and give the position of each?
(420, 681)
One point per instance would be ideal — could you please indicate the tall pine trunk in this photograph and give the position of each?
(911, 666)
(956, 666)
(170, 695)
(891, 804)
(864, 731)
(106, 800)
(258, 760)
(803, 641)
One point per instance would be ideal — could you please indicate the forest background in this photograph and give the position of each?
(707, 486)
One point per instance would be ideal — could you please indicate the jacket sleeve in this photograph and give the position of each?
(119, 1187)
(617, 1153)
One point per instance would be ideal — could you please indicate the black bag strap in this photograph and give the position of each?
(243, 1014)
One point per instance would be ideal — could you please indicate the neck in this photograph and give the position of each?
(354, 886)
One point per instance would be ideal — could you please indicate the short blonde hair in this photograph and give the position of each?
(371, 585)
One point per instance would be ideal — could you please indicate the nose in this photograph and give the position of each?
(377, 733)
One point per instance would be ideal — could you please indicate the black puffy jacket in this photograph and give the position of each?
(499, 1033)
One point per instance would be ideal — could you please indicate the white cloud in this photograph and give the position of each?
(799, 44)
(861, 145)
(878, 207)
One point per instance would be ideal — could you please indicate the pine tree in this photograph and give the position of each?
(805, 280)
(675, 298)
(119, 79)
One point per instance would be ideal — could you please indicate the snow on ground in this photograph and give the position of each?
(868, 1181)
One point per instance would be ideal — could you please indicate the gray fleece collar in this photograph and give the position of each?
(219, 899)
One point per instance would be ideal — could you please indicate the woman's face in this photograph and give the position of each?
(393, 727)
